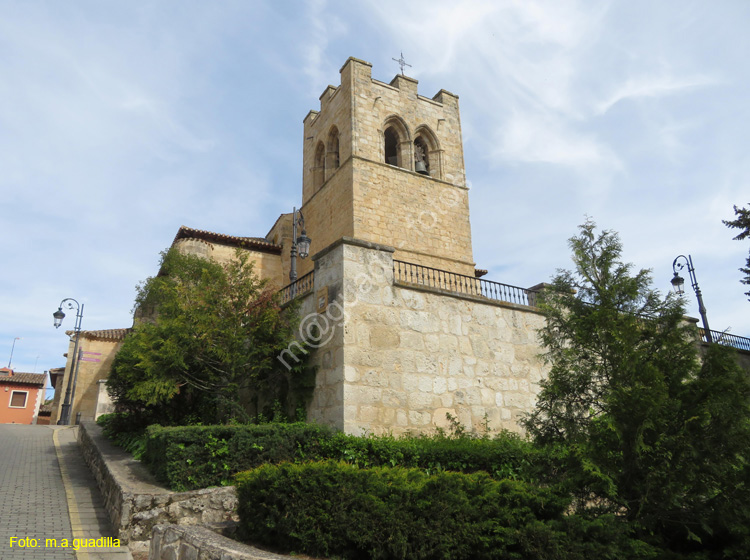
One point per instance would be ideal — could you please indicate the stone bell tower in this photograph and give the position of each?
(384, 164)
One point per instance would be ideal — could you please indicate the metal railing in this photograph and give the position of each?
(411, 273)
(726, 339)
(460, 284)
(301, 286)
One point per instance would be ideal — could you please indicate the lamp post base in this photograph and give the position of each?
(64, 416)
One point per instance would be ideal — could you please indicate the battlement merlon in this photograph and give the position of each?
(355, 70)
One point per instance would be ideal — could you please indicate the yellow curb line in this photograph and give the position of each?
(75, 521)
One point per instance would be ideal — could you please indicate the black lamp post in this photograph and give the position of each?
(678, 283)
(300, 244)
(70, 303)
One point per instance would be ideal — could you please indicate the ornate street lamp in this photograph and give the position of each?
(300, 244)
(678, 283)
(58, 315)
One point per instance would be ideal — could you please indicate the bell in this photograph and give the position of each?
(420, 167)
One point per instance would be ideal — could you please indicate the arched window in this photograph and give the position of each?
(319, 167)
(396, 142)
(427, 154)
(421, 156)
(332, 158)
(391, 146)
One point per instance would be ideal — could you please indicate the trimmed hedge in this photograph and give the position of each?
(333, 508)
(193, 457)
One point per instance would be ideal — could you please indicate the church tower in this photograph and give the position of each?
(384, 164)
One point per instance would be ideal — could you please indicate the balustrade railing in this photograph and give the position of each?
(299, 287)
(461, 284)
(726, 339)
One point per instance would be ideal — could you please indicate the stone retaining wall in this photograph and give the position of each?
(172, 542)
(136, 502)
(396, 357)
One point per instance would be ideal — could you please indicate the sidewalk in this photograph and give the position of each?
(48, 495)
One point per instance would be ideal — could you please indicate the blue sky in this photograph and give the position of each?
(121, 121)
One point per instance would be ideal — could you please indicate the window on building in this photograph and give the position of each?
(333, 150)
(18, 399)
(427, 153)
(391, 146)
(319, 168)
(421, 156)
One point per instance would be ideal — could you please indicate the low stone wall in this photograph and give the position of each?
(136, 502)
(172, 542)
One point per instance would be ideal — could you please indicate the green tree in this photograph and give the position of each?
(205, 344)
(743, 224)
(651, 432)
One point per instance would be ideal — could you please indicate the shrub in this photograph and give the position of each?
(200, 456)
(334, 508)
(124, 431)
(191, 457)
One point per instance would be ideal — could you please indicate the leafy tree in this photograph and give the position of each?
(742, 223)
(651, 432)
(205, 343)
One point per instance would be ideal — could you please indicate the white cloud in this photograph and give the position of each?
(651, 87)
(540, 138)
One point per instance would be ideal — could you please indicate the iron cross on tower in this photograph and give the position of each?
(402, 62)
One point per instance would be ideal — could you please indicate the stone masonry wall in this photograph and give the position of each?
(172, 542)
(373, 102)
(327, 406)
(328, 214)
(266, 265)
(398, 358)
(426, 218)
(134, 500)
(86, 395)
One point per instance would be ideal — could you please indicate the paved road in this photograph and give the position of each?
(47, 492)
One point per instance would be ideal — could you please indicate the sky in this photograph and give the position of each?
(122, 121)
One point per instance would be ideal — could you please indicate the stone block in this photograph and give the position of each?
(432, 342)
(422, 401)
(425, 383)
(375, 378)
(439, 385)
(519, 400)
(413, 340)
(351, 374)
(426, 363)
(384, 337)
(369, 414)
(448, 343)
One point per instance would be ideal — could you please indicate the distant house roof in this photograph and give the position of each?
(10, 377)
(114, 335)
(254, 243)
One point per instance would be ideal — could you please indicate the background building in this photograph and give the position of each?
(21, 396)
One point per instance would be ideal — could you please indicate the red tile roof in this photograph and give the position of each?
(105, 334)
(255, 243)
(21, 378)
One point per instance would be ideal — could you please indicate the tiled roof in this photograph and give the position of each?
(256, 243)
(104, 334)
(20, 378)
